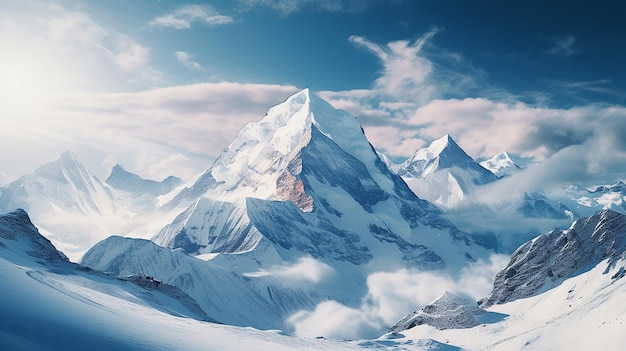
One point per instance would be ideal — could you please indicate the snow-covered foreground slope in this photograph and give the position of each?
(586, 312)
(563, 290)
(48, 303)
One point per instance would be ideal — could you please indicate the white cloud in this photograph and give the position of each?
(392, 295)
(287, 7)
(184, 16)
(417, 71)
(69, 51)
(130, 55)
(187, 61)
(333, 320)
(564, 46)
(404, 69)
(306, 269)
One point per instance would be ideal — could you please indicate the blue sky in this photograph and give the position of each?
(163, 86)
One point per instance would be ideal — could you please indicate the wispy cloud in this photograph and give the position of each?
(197, 121)
(286, 7)
(186, 60)
(183, 17)
(404, 68)
(71, 51)
(564, 46)
(417, 71)
(306, 269)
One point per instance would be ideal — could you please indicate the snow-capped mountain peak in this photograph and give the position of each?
(70, 205)
(306, 153)
(442, 153)
(501, 164)
(264, 159)
(443, 173)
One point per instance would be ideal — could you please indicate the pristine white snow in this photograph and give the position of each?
(586, 312)
(50, 304)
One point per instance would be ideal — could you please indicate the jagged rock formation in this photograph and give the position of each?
(446, 312)
(547, 260)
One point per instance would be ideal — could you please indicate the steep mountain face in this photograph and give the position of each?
(550, 258)
(393, 167)
(298, 210)
(443, 173)
(501, 165)
(69, 204)
(447, 312)
(123, 180)
(306, 180)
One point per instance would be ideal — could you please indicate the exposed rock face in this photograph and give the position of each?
(447, 312)
(553, 257)
(17, 227)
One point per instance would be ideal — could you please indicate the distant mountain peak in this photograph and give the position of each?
(68, 156)
(443, 153)
(122, 179)
(501, 164)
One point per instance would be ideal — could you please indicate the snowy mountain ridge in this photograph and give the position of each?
(123, 180)
(550, 258)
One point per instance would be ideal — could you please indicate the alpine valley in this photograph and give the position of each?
(302, 236)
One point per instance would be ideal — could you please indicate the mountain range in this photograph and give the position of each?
(298, 213)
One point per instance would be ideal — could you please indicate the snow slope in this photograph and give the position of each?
(585, 312)
(563, 290)
(48, 303)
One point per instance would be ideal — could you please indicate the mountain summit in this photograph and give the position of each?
(304, 185)
(443, 154)
(264, 160)
(443, 173)
(500, 165)
(305, 177)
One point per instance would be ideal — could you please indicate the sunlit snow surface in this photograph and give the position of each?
(48, 303)
(586, 312)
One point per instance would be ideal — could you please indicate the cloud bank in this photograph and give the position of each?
(392, 295)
